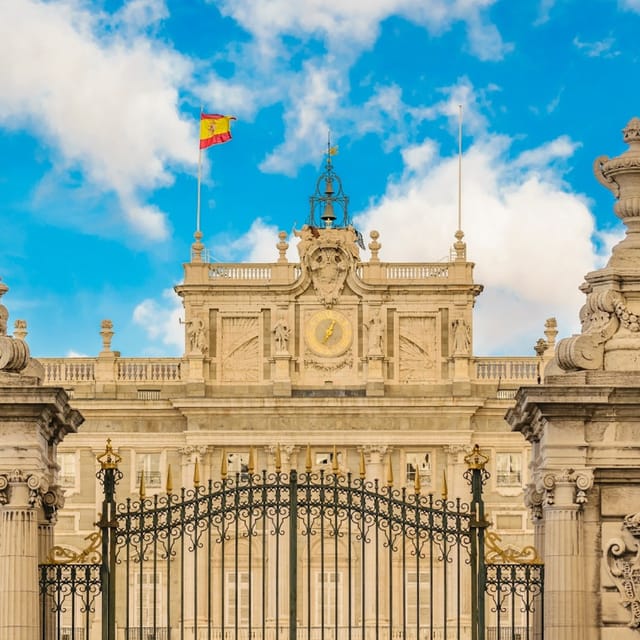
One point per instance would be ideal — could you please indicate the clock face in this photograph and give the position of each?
(328, 333)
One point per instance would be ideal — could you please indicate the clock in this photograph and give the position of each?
(328, 333)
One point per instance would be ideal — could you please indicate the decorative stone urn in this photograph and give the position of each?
(610, 338)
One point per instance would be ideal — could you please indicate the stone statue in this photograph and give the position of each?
(375, 329)
(461, 337)
(281, 334)
(197, 337)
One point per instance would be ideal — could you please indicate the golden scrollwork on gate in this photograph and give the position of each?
(90, 555)
(495, 554)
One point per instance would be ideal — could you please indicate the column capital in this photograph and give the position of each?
(565, 487)
(374, 453)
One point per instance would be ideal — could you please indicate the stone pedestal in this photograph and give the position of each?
(282, 375)
(33, 420)
(375, 376)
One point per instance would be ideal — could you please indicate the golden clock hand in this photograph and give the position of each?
(329, 332)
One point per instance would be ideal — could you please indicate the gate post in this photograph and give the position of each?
(477, 475)
(108, 475)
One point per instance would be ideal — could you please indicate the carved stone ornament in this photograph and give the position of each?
(600, 318)
(622, 560)
(328, 255)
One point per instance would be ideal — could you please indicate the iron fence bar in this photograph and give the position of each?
(363, 563)
(390, 541)
(293, 555)
(458, 568)
(223, 535)
(264, 555)
(445, 559)
(183, 516)
(377, 560)
(336, 501)
(349, 555)
(250, 498)
(236, 541)
(169, 546)
(322, 566)
(307, 532)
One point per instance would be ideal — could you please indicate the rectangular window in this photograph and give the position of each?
(237, 597)
(68, 470)
(509, 469)
(420, 463)
(324, 459)
(418, 593)
(150, 464)
(238, 462)
(146, 600)
(328, 590)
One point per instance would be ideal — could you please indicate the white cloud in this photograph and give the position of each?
(349, 25)
(161, 320)
(104, 105)
(599, 48)
(528, 235)
(630, 5)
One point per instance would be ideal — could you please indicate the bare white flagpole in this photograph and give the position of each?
(460, 167)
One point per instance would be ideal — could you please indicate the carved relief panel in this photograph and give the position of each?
(240, 349)
(418, 353)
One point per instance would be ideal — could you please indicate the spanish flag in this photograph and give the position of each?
(214, 129)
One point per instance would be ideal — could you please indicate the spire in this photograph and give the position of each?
(328, 195)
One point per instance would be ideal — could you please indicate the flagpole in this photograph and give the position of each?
(460, 168)
(199, 183)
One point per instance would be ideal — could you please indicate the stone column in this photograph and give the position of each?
(19, 557)
(565, 589)
(194, 589)
(375, 574)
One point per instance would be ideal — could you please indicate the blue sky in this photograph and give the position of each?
(98, 148)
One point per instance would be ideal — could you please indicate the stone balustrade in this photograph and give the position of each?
(523, 370)
(72, 371)
(290, 272)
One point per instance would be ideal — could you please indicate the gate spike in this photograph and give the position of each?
(224, 470)
(196, 474)
(308, 466)
(169, 480)
(363, 471)
(416, 482)
(445, 491)
(142, 487)
(278, 459)
(251, 466)
(389, 472)
(334, 466)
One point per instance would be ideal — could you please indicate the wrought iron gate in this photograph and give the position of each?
(289, 556)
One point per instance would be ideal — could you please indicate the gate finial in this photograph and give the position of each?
(445, 490)
(278, 459)
(224, 470)
(109, 459)
(389, 472)
(416, 483)
(169, 485)
(334, 466)
(363, 471)
(251, 465)
(196, 474)
(142, 487)
(308, 466)
(476, 459)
